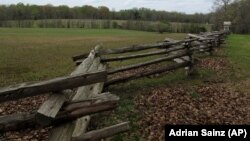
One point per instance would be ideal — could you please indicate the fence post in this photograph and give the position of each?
(210, 45)
(190, 69)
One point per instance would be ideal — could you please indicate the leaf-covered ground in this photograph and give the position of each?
(209, 104)
(29, 104)
(222, 98)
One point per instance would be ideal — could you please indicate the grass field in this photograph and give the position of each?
(38, 54)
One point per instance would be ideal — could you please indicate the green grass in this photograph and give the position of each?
(238, 50)
(31, 54)
(61, 32)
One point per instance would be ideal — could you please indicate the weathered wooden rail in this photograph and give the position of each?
(74, 98)
(72, 101)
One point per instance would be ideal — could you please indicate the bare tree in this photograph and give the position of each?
(220, 8)
(222, 4)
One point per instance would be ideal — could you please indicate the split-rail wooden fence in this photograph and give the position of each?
(74, 98)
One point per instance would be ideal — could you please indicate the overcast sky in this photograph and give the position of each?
(187, 6)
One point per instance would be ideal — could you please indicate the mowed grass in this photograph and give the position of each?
(32, 54)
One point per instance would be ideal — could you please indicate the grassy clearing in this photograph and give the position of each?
(37, 54)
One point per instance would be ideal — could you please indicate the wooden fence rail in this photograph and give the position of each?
(53, 85)
(103, 133)
(148, 73)
(158, 60)
(69, 112)
(134, 48)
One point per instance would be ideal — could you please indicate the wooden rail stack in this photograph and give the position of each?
(73, 99)
(180, 52)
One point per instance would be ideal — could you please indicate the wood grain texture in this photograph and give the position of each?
(65, 131)
(103, 133)
(53, 85)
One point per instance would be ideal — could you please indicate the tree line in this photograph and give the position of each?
(140, 25)
(236, 11)
(21, 15)
(21, 11)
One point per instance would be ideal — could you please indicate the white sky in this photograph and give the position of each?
(187, 6)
